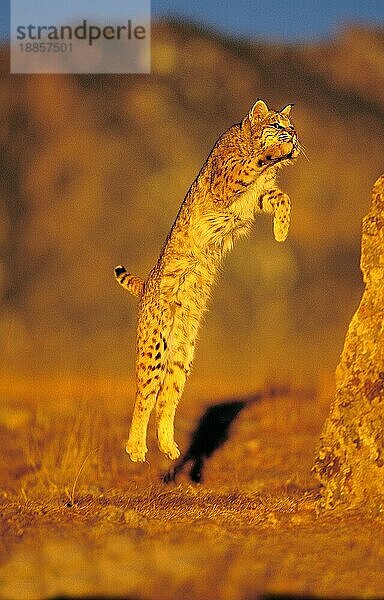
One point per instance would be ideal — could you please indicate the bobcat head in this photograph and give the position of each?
(272, 133)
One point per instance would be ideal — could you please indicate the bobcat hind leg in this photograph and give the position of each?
(150, 372)
(178, 367)
(136, 444)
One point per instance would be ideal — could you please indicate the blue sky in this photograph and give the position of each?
(275, 19)
(266, 19)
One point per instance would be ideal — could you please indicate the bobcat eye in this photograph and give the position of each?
(277, 126)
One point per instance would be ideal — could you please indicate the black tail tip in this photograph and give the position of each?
(119, 270)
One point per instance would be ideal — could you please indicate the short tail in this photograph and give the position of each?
(133, 284)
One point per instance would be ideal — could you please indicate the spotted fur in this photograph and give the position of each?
(237, 180)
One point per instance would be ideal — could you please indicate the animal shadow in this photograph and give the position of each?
(212, 431)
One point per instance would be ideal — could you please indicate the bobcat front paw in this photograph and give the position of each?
(281, 217)
(278, 153)
(280, 230)
(136, 450)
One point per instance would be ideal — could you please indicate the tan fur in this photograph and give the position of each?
(237, 180)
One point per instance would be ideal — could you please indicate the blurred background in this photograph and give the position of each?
(94, 168)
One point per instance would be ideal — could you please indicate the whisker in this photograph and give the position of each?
(302, 150)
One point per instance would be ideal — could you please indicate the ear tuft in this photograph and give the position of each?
(258, 111)
(287, 110)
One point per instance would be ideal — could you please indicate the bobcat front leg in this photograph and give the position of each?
(278, 203)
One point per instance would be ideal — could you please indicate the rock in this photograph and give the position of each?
(350, 457)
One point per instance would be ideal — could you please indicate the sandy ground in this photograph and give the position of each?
(79, 519)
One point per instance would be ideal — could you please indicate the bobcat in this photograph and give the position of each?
(237, 180)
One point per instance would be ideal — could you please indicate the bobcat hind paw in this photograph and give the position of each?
(171, 449)
(137, 452)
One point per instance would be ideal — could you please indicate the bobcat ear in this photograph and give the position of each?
(287, 110)
(258, 111)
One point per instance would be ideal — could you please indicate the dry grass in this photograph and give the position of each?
(78, 518)
(58, 462)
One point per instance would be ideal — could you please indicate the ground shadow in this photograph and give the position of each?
(212, 431)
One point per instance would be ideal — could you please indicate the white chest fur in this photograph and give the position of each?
(220, 227)
(245, 206)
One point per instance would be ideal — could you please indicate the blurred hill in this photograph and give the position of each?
(94, 169)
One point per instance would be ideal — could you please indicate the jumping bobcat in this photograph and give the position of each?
(237, 180)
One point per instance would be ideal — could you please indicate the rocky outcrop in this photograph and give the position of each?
(350, 457)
